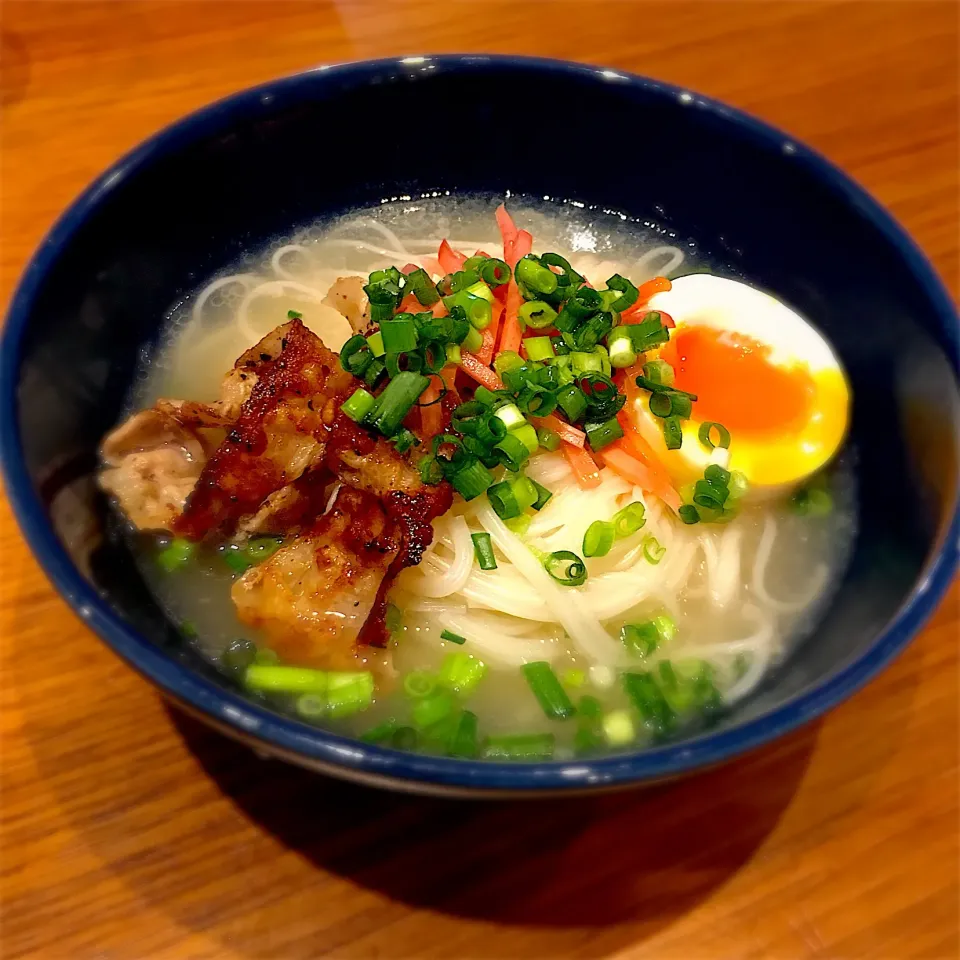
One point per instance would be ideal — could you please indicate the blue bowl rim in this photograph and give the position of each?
(340, 754)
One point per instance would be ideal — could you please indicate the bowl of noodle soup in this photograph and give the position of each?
(692, 629)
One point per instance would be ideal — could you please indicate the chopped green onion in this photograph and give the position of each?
(717, 474)
(548, 439)
(454, 354)
(526, 433)
(668, 404)
(688, 514)
(239, 654)
(419, 684)
(471, 480)
(530, 746)
(495, 272)
(279, 679)
(628, 291)
(404, 440)
(399, 334)
(349, 692)
(396, 401)
(511, 416)
(642, 638)
(646, 696)
(358, 404)
(480, 289)
(380, 733)
(537, 315)
(473, 340)
(310, 706)
(672, 433)
(706, 431)
(355, 355)
(533, 275)
(519, 525)
(176, 554)
(461, 672)
(547, 689)
(374, 371)
(573, 678)
(507, 360)
(710, 495)
(598, 539)
(235, 557)
(539, 348)
(582, 362)
(537, 404)
(513, 453)
(483, 551)
(621, 349)
(543, 495)
(418, 282)
(628, 520)
(477, 309)
(572, 402)
(604, 400)
(659, 371)
(453, 637)
(375, 343)
(600, 435)
(464, 742)
(294, 315)
(566, 568)
(618, 728)
(432, 709)
(652, 550)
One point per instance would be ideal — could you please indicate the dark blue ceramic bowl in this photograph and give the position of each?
(188, 201)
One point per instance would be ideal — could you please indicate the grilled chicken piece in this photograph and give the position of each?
(280, 431)
(346, 296)
(313, 596)
(153, 461)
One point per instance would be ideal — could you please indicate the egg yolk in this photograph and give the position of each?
(735, 382)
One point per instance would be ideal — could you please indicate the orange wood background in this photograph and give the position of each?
(132, 832)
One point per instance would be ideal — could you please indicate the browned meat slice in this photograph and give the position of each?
(346, 296)
(278, 435)
(153, 461)
(312, 597)
(287, 510)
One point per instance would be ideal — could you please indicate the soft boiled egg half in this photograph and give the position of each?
(758, 368)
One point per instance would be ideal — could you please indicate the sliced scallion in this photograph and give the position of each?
(548, 690)
(709, 429)
(452, 637)
(598, 539)
(483, 551)
(566, 568)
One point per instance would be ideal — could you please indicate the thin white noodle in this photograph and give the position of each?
(386, 232)
(586, 632)
(676, 258)
(441, 583)
(818, 581)
(273, 288)
(244, 279)
(398, 257)
(281, 253)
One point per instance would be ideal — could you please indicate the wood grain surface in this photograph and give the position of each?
(132, 832)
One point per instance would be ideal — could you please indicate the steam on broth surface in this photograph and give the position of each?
(700, 611)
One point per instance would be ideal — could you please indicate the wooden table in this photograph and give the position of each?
(131, 832)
